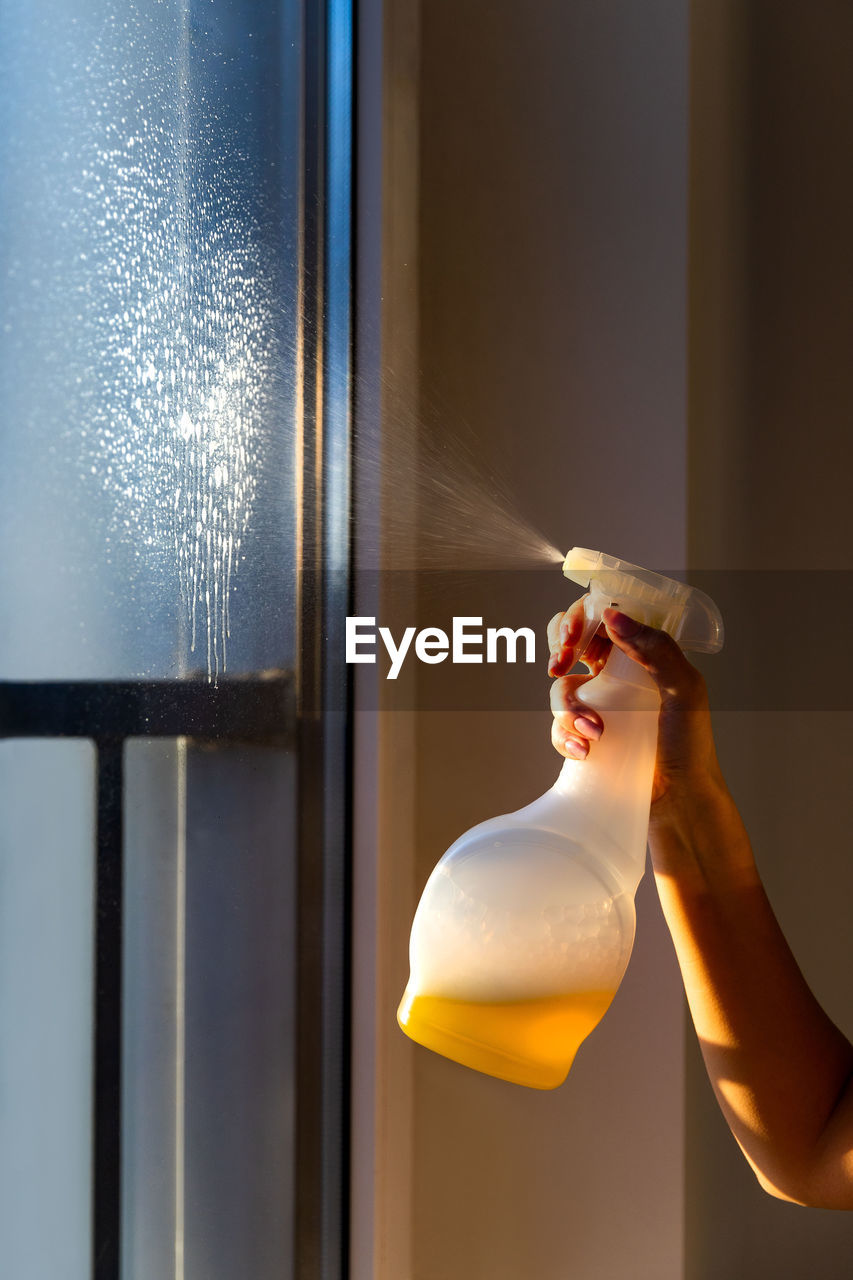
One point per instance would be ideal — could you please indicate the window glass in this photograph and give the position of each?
(209, 1011)
(47, 887)
(148, 218)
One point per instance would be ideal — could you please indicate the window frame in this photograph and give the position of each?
(307, 710)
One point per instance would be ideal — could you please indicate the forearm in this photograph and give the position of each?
(778, 1065)
(782, 1072)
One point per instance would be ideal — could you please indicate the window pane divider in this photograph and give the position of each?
(255, 709)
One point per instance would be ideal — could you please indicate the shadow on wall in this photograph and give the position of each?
(771, 400)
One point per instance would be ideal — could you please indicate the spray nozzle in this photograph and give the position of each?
(686, 613)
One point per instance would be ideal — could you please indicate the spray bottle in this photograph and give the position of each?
(525, 927)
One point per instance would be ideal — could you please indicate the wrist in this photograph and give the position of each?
(697, 836)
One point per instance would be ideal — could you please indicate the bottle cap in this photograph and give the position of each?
(686, 613)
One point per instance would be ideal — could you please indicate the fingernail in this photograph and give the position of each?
(564, 634)
(622, 624)
(588, 727)
(578, 750)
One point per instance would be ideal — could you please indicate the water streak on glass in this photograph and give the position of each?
(147, 324)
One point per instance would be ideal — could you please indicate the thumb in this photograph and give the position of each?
(655, 651)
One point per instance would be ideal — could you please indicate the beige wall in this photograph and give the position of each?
(384, 772)
(771, 455)
(548, 309)
(552, 321)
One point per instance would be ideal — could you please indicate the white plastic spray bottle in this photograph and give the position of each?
(526, 925)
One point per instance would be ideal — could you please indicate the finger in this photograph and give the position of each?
(567, 744)
(554, 631)
(596, 653)
(564, 634)
(594, 657)
(572, 624)
(657, 652)
(565, 627)
(570, 713)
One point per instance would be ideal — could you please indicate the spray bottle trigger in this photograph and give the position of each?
(593, 612)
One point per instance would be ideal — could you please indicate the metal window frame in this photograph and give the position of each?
(258, 711)
(324, 690)
(308, 709)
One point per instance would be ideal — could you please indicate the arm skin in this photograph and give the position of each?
(781, 1070)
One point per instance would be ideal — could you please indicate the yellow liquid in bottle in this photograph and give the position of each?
(530, 1042)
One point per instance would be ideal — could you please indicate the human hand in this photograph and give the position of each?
(686, 763)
